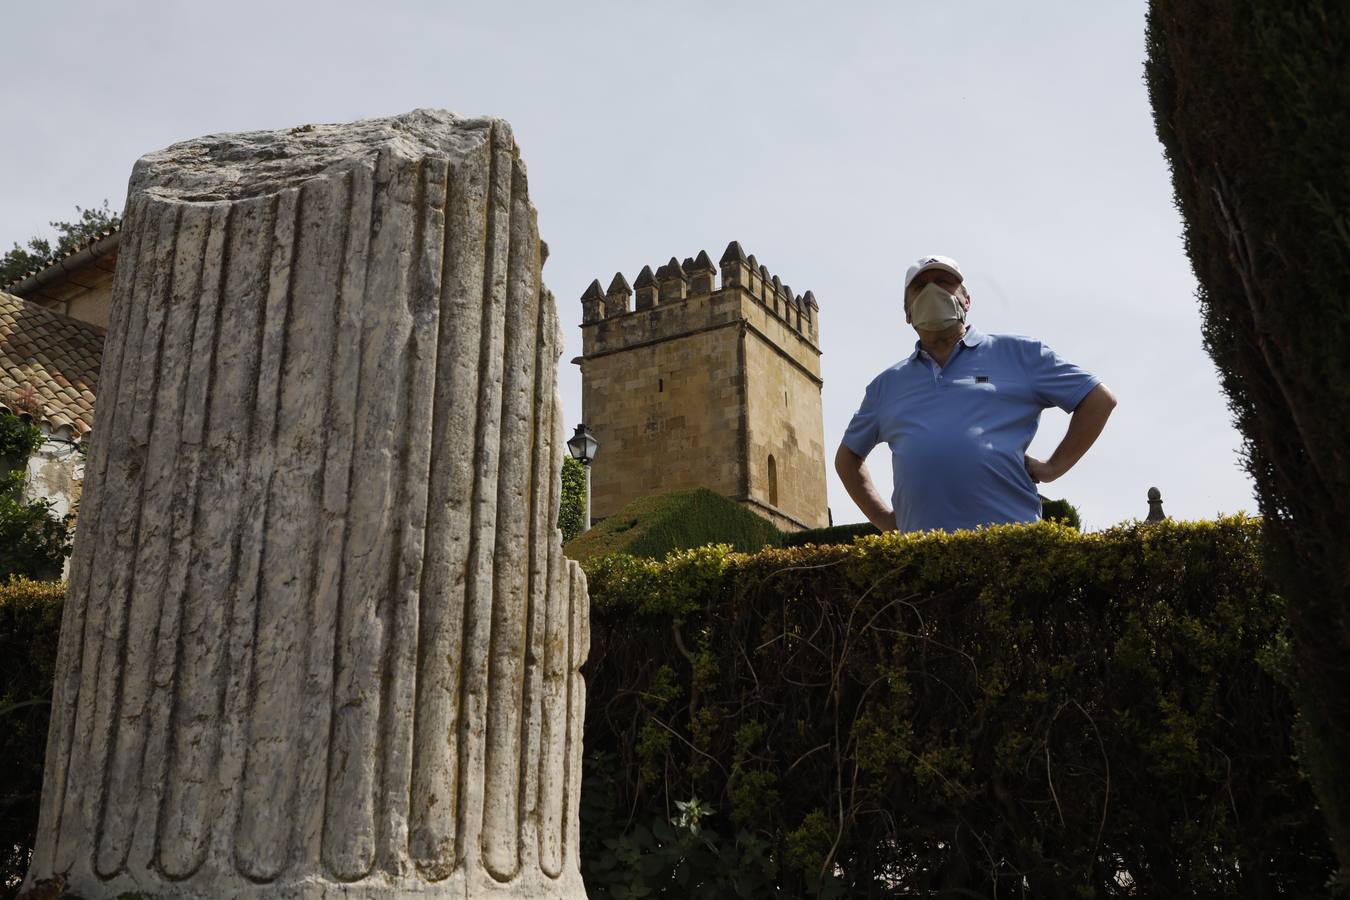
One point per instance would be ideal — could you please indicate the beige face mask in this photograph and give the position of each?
(934, 309)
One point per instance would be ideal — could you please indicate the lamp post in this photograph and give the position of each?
(582, 445)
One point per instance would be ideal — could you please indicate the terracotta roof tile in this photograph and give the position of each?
(48, 364)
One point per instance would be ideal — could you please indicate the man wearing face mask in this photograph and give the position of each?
(959, 414)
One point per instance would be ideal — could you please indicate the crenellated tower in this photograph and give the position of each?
(700, 385)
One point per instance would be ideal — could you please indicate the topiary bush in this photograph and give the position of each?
(655, 525)
(1025, 710)
(1251, 99)
(30, 626)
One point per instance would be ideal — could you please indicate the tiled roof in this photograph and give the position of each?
(53, 260)
(48, 365)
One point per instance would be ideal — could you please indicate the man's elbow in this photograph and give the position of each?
(846, 462)
(1100, 400)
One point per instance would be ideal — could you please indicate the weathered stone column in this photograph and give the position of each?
(320, 638)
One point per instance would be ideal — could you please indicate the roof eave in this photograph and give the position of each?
(66, 264)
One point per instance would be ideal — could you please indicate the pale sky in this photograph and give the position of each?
(836, 142)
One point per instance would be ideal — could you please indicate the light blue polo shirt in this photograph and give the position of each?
(958, 434)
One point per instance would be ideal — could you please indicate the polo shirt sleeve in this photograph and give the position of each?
(863, 433)
(1056, 382)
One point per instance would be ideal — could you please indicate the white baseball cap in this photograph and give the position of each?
(945, 263)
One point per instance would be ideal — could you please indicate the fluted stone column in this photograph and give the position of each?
(320, 638)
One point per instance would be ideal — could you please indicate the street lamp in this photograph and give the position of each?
(582, 445)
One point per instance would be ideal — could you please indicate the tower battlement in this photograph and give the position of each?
(676, 282)
(703, 375)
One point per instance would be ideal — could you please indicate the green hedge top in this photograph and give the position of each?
(1025, 708)
(657, 524)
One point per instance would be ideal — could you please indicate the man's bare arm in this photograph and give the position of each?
(1085, 425)
(852, 470)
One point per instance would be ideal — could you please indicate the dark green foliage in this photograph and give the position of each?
(18, 440)
(1061, 511)
(30, 624)
(1251, 100)
(677, 856)
(33, 543)
(655, 525)
(1023, 711)
(572, 501)
(19, 261)
(835, 534)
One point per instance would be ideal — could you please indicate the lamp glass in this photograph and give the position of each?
(583, 445)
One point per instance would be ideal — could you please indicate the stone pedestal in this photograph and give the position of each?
(320, 638)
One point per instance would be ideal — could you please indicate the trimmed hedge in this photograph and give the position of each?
(1060, 510)
(835, 534)
(655, 525)
(1025, 710)
(30, 626)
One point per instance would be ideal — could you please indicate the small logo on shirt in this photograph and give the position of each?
(981, 379)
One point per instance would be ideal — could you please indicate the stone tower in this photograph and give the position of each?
(701, 386)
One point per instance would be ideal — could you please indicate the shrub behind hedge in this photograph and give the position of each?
(1022, 711)
(30, 626)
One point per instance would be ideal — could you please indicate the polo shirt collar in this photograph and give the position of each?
(972, 338)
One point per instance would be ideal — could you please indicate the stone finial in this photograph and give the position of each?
(339, 657)
(618, 297)
(702, 273)
(1155, 510)
(810, 299)
(735, 268)
(775, 287)
(646, 288)
(766, 286)
(674, 284)
(591, 303)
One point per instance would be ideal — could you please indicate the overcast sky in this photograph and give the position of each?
(836, 142)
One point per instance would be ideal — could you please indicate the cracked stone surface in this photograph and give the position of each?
(320, 638)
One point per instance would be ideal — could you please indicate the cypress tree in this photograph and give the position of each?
(1251, 99)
